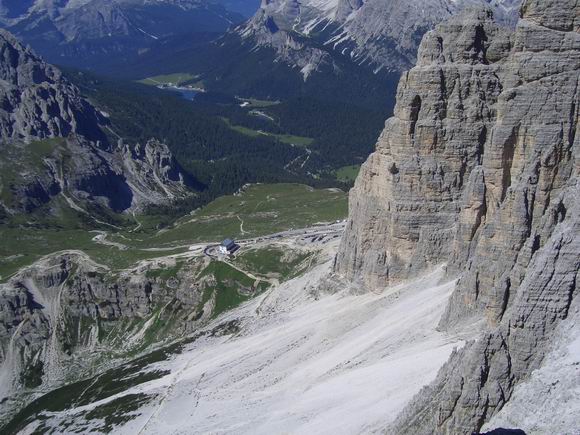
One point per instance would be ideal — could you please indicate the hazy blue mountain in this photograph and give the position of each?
(247, 8)
(96, 34)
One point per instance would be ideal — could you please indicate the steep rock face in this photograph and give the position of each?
(407, 196)
(479, 379)
(53, 144)
(479, 169)
(36, 101)
(547, 401)
(151, 169)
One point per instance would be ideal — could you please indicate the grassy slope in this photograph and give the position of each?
(274, 262)
(347, 174)
(284, 138)
(176, 78)
(264, 209)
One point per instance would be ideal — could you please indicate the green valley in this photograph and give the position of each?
(255, 211)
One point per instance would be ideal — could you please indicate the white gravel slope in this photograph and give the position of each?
(339, 364)
(302, 363)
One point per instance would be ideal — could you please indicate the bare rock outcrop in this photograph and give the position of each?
(53, 143)
(406, 200)
(36, 102)
(152, 173)
(383, 34)
(479, 169)
(272, 26)
(66, 315)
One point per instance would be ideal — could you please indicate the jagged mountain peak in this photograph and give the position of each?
(20, 65)
(380, 33)
(37, 102)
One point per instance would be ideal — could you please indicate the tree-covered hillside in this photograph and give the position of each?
(226, 143)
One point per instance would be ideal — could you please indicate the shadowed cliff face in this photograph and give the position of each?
(479, 169)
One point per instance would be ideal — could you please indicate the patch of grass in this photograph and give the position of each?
(164, 273)
(299, 141)
(263, 209)
(347, 174)
(228, 283)
(244, 130)
(282, 263)
(255, 103)
(163, 325)
(290, 139)
(23, 246)
(118, 411)
(175, 78)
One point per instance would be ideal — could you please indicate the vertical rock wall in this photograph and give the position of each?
(479, 170)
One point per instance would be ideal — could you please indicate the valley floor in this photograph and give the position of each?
(300, 360)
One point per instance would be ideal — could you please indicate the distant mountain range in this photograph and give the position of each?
(378, 33)
(346, 50)
(342, 50)
(95, 34)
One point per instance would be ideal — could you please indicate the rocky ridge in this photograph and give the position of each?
(263, 30)
(54, 145)
(479, 169)
(87, 33)
(382, 34)
(37, 102)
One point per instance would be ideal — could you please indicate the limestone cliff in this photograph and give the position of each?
(479, 169)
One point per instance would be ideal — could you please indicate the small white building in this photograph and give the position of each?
(228, 247)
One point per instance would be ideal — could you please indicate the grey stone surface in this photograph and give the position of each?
(479, 169)
(383, 34)
(38, 103)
